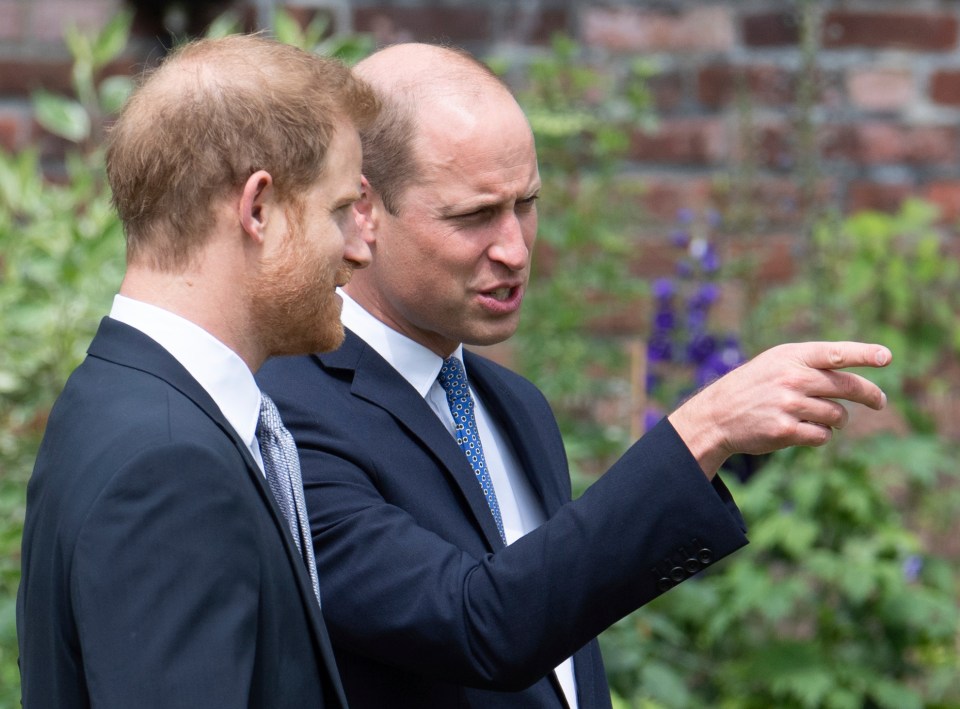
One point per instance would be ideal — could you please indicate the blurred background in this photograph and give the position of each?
(719, 177)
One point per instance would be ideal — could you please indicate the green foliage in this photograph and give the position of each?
(315, 37)
(79, 119)
(840, 599)
(61, 261)
(581, 117)
(877, 278)
(833, 604)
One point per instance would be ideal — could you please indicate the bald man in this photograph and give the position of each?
(457, 572)
(158, 569)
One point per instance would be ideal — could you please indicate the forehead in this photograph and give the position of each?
(481, 148)
(341, 166)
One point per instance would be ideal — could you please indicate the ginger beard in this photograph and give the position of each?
(295, 306)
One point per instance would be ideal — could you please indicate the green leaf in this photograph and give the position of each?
(61, 116)
(112, 39)
(287, 30)
(114, 92)
(223, 25)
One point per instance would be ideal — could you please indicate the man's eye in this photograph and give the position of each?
(477, 215)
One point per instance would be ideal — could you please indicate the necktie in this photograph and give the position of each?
(453, 379)
(282, 468)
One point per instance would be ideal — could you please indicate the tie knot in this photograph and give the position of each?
(270, 421)
(452, 375)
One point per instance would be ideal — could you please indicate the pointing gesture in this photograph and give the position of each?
(785, 396)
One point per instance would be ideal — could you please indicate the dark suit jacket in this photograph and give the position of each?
(156, 569)
(425, 606)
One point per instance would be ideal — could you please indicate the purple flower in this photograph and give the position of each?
(664, 320)
(680, 238)
(912, 566)
(696, 320)
(651, 417)
(685, 215)
(710, 260)
(700, 348)
(663, 289)
(659, 349)
(705, 296)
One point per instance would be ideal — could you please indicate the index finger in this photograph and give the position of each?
(839, 355)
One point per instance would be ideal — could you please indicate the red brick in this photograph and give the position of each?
(682, 141)
(50, 18)
(773, 256)
(667, 88)
(396, 24)
(717, 84)
(630, 29)
(14, 128)
(878, 143)
(19, 77)
(12, 16)
(662, 198)
(538, 29)
(946, 195)
(881, 197)
(921, 31)
(769, 202)
(945, 87)
(773, 29)
(881, 89)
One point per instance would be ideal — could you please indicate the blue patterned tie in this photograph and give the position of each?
(281, 465)
(453, 379)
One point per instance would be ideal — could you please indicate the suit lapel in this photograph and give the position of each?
(377, 382)
(128, 347)
(524, 433)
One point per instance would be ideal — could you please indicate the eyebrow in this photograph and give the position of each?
(469, 207)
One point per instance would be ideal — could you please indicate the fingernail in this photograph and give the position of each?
(883, 400)
(882, 357)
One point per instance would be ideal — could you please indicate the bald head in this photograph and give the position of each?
(212, 114)
(414, 81)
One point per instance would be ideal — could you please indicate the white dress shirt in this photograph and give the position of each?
(217, 368)
(519, 508)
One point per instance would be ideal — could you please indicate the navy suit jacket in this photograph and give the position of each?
(426, 607)
(157, 570)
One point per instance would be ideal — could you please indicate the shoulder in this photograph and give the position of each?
(490, 375)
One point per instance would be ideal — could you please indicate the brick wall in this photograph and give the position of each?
(887, 86)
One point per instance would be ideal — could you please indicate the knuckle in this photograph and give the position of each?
(835, 356)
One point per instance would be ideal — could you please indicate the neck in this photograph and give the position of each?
(211, 302)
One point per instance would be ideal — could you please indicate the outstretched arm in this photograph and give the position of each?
(785, 396)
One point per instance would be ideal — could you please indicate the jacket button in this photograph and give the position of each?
(665, 584)
(705, 556)
(677, 574)
(692, 565)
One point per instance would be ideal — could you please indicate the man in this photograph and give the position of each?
(442, 592)
(158, 569)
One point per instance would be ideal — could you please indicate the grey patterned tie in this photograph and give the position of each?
(453, 379)
(282, 467)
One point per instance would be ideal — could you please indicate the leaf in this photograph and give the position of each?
(224, 25)
(114, 92)
(112, 39)
(61, 116)
(287, 30)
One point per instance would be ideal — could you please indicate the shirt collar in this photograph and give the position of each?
(415, 363)
(217, 368)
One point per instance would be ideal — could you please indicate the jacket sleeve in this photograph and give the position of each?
(165, 584)
(406, 579)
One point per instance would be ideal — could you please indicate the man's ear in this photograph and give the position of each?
(256, 203)
(368, 211)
